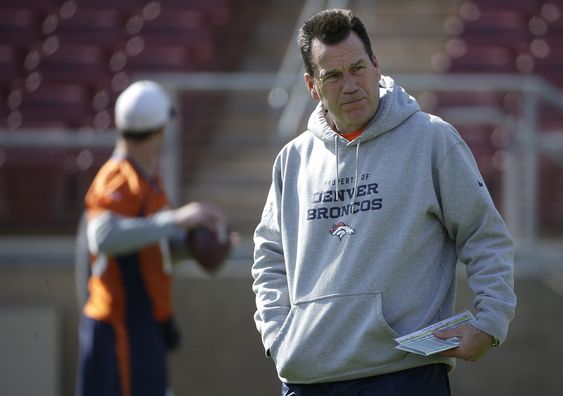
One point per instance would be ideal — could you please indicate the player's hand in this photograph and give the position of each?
(474, 343)
(196, 214)
(170, 334)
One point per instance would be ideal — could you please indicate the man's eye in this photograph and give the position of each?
(358, 69)
(331, 78)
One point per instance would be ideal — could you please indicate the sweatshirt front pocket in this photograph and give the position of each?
(334, 337)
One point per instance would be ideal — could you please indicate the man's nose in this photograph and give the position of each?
(349, 83)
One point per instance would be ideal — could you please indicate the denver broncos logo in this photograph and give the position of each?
(341, 229)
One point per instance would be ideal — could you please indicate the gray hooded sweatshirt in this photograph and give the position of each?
(358, 244)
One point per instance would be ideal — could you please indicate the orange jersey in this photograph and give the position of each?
(134, 285)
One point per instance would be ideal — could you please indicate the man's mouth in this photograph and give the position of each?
(353, 101)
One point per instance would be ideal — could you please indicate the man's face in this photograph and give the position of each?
(346, 81)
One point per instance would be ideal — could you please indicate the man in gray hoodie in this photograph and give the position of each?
(368, 213)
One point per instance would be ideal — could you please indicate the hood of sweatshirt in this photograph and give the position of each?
(395, 106)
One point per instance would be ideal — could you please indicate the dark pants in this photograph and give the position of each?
(431, 380)
(98, 365)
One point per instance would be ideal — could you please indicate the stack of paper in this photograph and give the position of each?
(425, 343)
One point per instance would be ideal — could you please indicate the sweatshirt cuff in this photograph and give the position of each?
(493, 326)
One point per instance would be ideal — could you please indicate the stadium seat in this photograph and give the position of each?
(19, 27)
(102, 27)
(10, 65)
(551, 67)
(36, 5)
(160, 58)
(525, 7)
(508, 29)
(129, 6)
(74, 64)
(217, 13)
(555, 31)
(200, 53)
(68, 103)
(176, 27)
(478, 59)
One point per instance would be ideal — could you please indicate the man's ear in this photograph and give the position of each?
(375, 63)
(311, 86)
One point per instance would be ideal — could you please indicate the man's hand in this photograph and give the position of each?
(474, 343)
(198, 213)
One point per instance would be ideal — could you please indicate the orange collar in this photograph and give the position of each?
(352, 135)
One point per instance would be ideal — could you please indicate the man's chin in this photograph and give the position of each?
(357, 117)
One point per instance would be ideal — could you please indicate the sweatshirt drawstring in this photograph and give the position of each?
(356, 173)
(337, 161)
(337, 157)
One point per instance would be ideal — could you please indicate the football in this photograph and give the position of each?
(207, 249)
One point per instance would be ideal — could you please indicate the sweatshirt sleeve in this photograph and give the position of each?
(113, 234)
(268, 270)
(481, 238)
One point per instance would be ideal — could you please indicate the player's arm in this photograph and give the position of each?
(111, 233)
